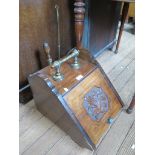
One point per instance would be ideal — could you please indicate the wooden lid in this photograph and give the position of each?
(71, 76)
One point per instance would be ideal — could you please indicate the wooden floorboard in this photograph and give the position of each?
(68, 147)
(118, 69)
(110, 61)
(128, 91)
(116, 60)
(39, 136)
(46, 142)
(124, 77)
(111, 143)
(23, 109)
(28, 120)
(34, 133)
(128, 145)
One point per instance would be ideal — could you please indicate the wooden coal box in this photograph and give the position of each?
(84, 104)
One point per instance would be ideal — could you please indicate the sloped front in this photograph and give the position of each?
(93, 101)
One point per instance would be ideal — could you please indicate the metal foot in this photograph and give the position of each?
(110, 48)
(131, 106)
(58, 77)
(129, 111)
(116, 51)
(75, 66)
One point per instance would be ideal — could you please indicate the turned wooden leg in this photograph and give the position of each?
(131, 106)
(79, 12)
(123, 18)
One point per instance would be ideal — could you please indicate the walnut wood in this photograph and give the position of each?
(51, 105)
(131, 106)
(54, 102)
(94, 129)
(79, 12)
(124, 16)
(69, 74)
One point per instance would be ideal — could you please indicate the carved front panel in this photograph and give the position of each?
(92, 102)
(96, 103)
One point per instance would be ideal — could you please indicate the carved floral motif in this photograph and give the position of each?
(96, 103)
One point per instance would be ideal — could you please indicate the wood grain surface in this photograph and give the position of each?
(70, 74)
(102, 27)
(94, 129)
(79, 16)
(76, 90)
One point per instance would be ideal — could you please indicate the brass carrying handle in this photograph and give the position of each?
(73, 53)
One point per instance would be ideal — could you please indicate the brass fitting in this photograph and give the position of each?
(58, 76)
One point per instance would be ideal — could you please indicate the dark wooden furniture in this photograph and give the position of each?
(79, 12)
(123, 19)
(86, 97)
(131, 106)
(100, 25)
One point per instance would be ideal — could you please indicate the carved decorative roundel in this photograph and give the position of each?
(96, 103)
